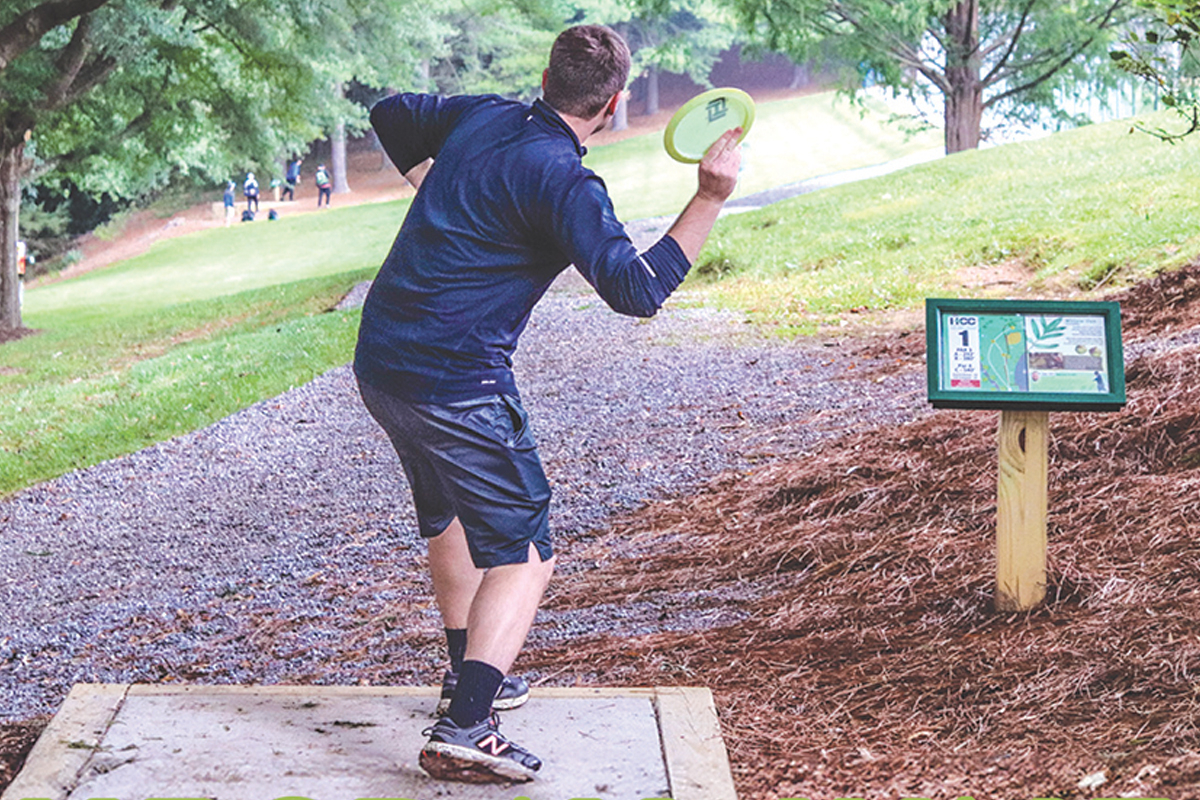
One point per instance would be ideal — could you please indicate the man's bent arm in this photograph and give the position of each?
(417, 173)
(718, 178)
(412, 127)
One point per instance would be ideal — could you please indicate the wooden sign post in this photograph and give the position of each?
(1024, 441)
(1025, 358)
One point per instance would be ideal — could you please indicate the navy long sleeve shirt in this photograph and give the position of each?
(506, 206)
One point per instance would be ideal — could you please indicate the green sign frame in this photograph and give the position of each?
(1040, 355)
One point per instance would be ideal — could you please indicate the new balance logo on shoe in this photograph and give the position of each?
(493, 744)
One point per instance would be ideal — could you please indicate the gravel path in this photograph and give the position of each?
(118, 572)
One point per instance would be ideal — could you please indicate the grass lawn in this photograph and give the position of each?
(225, 261)
(122, 388)
(171, 341)
(1079, 211)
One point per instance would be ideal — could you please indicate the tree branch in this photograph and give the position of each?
(89, 78)
(70, 62)
(936, 78)
(1104, 21)
(900, 49)
(1045, 76)
(1012, 44)
(28, 29)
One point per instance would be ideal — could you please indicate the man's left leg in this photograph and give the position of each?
(455, 578)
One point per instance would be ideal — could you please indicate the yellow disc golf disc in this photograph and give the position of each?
(700, 121)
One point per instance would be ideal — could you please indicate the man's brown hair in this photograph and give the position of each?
(588, 65)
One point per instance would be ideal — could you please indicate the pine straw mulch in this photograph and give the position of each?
(870, 661)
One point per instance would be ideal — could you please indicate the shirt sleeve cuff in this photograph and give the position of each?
(667, 263)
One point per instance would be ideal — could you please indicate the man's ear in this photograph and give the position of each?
(545, 74)
(614, 101)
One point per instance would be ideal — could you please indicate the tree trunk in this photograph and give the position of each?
(964, 100)
(11, 155)
(337, 158)
(651, 90)
(801, 75)
(337, 150)
(620, 120)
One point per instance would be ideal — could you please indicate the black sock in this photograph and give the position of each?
(478, 683)
(456, 643)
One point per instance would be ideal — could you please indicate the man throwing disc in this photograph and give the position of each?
(503, 205)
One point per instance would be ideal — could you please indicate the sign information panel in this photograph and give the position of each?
(1024, 354)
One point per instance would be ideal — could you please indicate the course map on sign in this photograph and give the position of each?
(1025, 353)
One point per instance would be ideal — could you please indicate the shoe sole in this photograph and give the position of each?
(449, 762)
(507, 704)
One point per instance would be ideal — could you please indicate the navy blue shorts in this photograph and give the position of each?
(475, 460)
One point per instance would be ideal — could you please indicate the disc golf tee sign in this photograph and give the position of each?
(1042, 355)
(1025, 358)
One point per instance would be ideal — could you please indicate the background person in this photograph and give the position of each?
(228, 199)
(324, 185)
(292, 178)
(503, 205)
(250, 192)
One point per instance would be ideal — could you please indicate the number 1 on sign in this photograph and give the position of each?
(964, 370)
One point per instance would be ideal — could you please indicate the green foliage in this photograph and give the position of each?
(685, 37)
(1163, 56)
(44, 233)
(490, 47)
(1017, 55)
(201, 89)
(124, 97)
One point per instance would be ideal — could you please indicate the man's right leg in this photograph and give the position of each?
(504, 609)
(466, 744)
(456, 581)
(502, 498)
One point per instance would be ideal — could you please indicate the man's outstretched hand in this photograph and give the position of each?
(719, 167)
(718, 178)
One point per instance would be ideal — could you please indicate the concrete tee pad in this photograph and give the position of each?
(351, 742)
